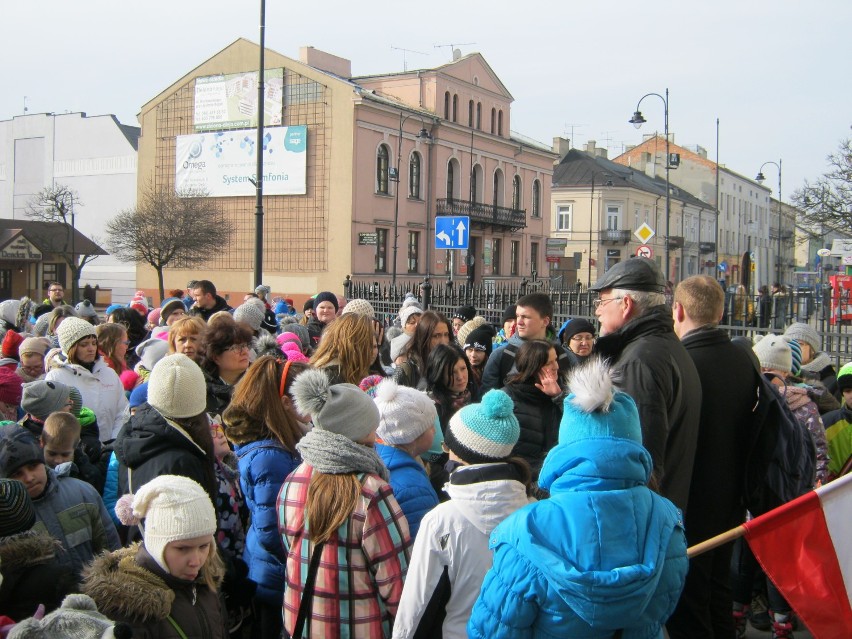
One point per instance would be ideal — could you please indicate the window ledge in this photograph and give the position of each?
(380, 194)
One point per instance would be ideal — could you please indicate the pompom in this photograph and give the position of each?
(124, 511)
(592, 387)
(497, 405)
(386, 391)
(310, 391)
(79, 602)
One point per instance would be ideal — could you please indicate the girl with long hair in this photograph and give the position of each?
(134, 323)
(264, 430)
(167, 585)
(535, 391)
(112, 345)
(339, 519)
(347, 349)
(449, 381)
(432, 330)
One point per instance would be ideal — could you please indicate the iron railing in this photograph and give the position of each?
(512, 219)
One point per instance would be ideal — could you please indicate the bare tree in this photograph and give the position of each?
(826, 204)
(56, 205)
(165, 228)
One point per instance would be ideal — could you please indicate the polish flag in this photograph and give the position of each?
(805, 547)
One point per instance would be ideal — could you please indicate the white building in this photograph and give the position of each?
(95, 157)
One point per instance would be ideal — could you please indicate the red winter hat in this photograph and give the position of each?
(11, 386)
(11, 342)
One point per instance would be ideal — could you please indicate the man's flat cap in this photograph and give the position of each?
(634, 274)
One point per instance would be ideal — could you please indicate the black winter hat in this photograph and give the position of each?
(17, 513)
(480, 338)
(326, 296)
(18, 447)
(575, 326)
(510, 313)
(466, 313)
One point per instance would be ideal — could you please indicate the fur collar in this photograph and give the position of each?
(27, 549)
(124, 589)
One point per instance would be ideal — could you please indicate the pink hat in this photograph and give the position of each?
(288, 337)
(154, 317)
(293, 353)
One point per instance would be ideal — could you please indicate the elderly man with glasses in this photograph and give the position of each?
(637, 336)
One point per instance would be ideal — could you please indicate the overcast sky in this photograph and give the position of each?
(775, 73)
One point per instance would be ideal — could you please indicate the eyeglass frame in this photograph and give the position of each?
(578, 338)
(600, 302)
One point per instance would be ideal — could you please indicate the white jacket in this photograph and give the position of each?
(451, 550)
(101, 390)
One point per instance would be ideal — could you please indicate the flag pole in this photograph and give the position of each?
(715, 542)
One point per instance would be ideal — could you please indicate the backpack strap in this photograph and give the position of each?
(308, 592)
(177, 628)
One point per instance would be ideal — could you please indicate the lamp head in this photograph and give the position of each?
(637, 120)
(760, 178)
(424, 134)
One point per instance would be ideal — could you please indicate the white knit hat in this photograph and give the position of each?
(173, 508)
(404, 413)
(773, 351)
(359, 307)
(72, 330)
(252, 312)
(176, 387)
(407, 311)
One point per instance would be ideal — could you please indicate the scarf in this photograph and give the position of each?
(335, 454)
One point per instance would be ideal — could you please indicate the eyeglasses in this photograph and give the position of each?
(238, 348)
(581, 338)
(126, 342)
(56, 290)
(599, 302)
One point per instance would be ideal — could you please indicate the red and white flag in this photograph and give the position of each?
(805, 547)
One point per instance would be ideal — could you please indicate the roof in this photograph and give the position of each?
(48, 237)
(579, 168)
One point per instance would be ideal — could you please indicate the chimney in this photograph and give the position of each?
(590, 146)
(600, 153)
(561, 146)
(325, 62)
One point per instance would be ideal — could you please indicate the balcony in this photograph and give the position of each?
(706, 247)
(675, 242)
(506, 218)
(615, 236)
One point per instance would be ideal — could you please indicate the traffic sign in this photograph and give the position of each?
(643, 250)
(644, 232)
(452, 232)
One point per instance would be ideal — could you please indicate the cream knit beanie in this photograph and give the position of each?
(404, 413)
(72, 330)
(173, 508)
(176, 387)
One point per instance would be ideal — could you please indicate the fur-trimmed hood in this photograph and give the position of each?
(26, 549)
(124, 589)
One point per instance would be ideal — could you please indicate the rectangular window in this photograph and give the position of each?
(381, 250)
(413, 251)
(533, 258)
(515, 258)
(51, 273)
(563, 217)
(496, 254)
(613, 217)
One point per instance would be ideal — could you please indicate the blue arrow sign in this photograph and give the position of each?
(452, 232)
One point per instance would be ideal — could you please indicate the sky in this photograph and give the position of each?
(775, 74)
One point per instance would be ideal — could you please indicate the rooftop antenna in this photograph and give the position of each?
(404, 58)
(569, 127)
(452, 46)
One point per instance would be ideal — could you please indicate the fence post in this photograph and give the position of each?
(347, 287)
(426, 292)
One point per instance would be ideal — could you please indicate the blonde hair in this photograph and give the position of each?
(702, 298)
(347, 342)
(213, 570)
(330, 502)
(109, 336)
(61, 428)
(189, 325)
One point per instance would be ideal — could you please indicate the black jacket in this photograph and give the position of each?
(652, 366)
(539, 416)
(205, 313)
(149, 447)
(32, 575)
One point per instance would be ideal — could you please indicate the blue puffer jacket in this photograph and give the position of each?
(410, 485)
(603, 553)
(263, 466)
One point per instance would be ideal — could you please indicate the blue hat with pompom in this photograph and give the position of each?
(484, 432)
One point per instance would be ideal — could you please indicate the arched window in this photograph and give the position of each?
(452, 180)
(493, 120)
(414, 176)
(455, 108)
(470, 114)
(500, 122)
(479, 115)
(497, 196)
(476, 184)
(536, 199)
(382, 163)
(447, 105)
(516, 192)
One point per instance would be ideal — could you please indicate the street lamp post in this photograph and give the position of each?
(760, 178)
(423, 135)
(637, 120)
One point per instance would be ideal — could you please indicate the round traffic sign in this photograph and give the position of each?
(643, 250)
(824, 252)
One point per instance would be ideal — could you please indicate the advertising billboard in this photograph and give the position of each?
(224, 164)
(230, 101)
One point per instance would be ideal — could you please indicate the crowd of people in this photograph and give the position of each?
(197, 470)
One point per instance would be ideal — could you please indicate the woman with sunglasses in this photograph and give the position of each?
(226, 348)
(263, 427)
(578, 335)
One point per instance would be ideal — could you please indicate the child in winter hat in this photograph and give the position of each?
(76, 618)
(17, 513)
(176, 387)
(774, 354)
(359, 307)
(71, 331)
(341, 409)
(600, 519)
(485, 432)
(252, 312)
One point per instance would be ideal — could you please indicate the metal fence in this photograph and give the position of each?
(762, 316)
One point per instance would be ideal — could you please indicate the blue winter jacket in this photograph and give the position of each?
(111, 488)
(410, 485)
(603, 553)
(263, 466)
